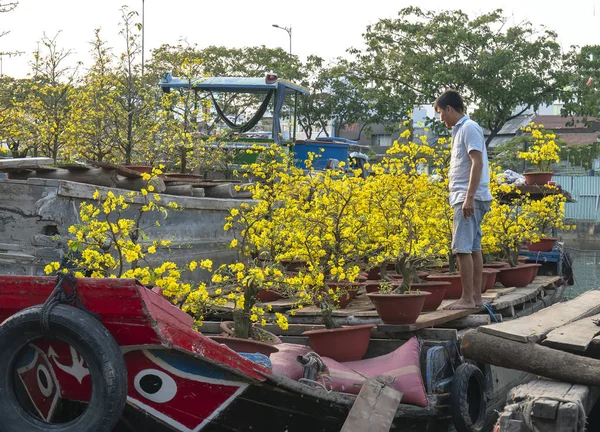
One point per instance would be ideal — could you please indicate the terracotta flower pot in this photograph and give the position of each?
(373, 286)
(519, 276)
(544, 245)
(537, 178)
(139, 168)
(293, 265)
(534, 271)
(498, 265)
(346, 291)
(454, 290)
(183, 176)
(341, 344)
(399, 308)
(268, 296)
(374, 274)
(490, 279)
(259, 334)
(245, 345)
(437, 291)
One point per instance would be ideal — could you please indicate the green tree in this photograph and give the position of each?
(132, 119)
(502, 69)
(582, 96)
(94, 102)
(50, 100)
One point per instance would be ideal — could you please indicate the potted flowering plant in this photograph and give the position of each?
(324, 225)
(542, 152)
(406, 218)
(510, 223)
(549, 215)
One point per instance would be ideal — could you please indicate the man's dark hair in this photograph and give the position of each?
(450, 98)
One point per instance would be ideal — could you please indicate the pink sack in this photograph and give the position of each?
(284, 362)
(402, 365)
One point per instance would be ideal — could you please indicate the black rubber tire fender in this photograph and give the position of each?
(468, 402)
(92, 341)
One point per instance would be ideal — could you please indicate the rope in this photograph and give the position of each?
(490, 310)
(58, 296)
(528, 408)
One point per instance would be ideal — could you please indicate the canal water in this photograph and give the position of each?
(585, 257)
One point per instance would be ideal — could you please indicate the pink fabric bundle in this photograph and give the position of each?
(402, 366)
(284, 362)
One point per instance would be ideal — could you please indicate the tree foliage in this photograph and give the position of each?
(502, 69)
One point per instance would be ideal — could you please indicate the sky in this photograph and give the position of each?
(322, 27)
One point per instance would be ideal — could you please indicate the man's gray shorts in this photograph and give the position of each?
(466, 235)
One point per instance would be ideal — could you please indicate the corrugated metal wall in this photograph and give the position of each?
(586, 191)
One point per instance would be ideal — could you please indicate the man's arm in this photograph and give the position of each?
(468, 208)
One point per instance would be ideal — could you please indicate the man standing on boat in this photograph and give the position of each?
(469, 194)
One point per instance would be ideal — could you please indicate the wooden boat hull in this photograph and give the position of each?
(180, 380)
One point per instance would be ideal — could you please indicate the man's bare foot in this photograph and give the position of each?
(461, 304)
(478, 300)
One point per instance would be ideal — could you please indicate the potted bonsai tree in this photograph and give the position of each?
(325, 226)
(542, 151)
(408, 219)
(549, 216)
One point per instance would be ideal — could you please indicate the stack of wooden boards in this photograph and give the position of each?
(561, 343)
(506, 302)
(118, 177)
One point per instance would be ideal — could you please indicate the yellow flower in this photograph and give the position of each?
(152, 249)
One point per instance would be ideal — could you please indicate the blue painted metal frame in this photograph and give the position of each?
(231, 84)
(542, 257)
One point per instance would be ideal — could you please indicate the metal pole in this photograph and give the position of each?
(143, 31)
(295, 116)
(290, 34)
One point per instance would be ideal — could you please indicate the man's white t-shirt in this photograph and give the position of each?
(467, 136)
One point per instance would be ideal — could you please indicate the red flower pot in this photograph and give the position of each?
(183, 176)
(495, 265)
(245, 345)
(544, 245)
(293, 265)
(399, 308)
(373, 286)
(519, 276)
(139, 168)
(346, 291)
(534, 271)
(374, 273)
(537, 178)
(454, 290)
(437, 291)
(341, 344)
(490, 279)
(268, 296)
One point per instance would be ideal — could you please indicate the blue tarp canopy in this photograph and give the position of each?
(231, 84)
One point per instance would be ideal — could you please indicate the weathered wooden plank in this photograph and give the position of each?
(374, 409)
(85, 191)
(534, 327)
(468, 321)
(501, 291)
(575, 336)
(429, 320)
(518, 296)
(25, 163)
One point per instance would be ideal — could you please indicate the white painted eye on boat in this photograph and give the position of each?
(155, 385)
(44, 380)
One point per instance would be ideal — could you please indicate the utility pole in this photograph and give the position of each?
(143, 31)
(289, 32)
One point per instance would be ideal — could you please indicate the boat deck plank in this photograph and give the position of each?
(576, 336)
(429, 320)
(534, 327)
